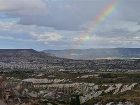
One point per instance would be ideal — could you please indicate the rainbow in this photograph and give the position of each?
(98, 20)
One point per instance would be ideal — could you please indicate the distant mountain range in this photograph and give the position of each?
(29, 59)
(101, 53)
(26, 56)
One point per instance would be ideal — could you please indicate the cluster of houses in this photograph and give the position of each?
(22, 66)
(37, 63)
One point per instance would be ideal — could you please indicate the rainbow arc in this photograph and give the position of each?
(96, 22)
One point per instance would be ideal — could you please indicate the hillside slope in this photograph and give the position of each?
(29, 59)
(89, 54)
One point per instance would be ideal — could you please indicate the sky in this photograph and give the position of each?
(69, 24)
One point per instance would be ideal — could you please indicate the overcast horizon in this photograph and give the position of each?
(69, 24)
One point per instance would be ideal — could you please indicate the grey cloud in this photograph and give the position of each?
(73, 14)
(67, 14)
(19, 8)
(61, 14)
(69, 18)
(129, 10)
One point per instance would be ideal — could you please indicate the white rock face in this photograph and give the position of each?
(37, 81)
(127, 87)
(110, 103)
(118, 86)
(86, 76)
(110, 88)
(86, 90)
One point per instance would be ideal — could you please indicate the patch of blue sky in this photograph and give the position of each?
(5, 19)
